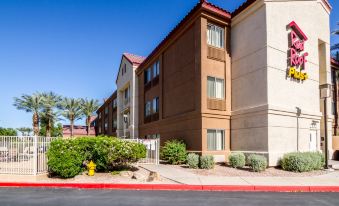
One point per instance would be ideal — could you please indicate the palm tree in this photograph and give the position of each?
(30, 103)
(48, 113)
(335, 47)
(71, 110)
(88, 107)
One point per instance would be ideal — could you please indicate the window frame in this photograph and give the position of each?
(215, 28)
(222, 140)
(223, 94)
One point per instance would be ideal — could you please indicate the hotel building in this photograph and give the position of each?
(106, 122)
(243, 81)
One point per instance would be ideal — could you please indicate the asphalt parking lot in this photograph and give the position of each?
(75, 197)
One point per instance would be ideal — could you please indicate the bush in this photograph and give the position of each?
(258, 163)
(302, 161)
(207, 162)
(66, 156)
(63, 159)
(193, 160)
(174, 152)
(237, 160)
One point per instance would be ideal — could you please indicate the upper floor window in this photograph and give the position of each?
(126, 93)
(99, 115)
(215, 88)
(106, 110)
(156, 69)
(215, 140)
(147, 74)
(148, 108)
(114, 103)
(123, 69)
(155, 105)
(215, 36)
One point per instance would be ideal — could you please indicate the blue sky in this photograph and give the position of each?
(73, 47)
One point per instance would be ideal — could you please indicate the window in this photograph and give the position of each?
(156, 69)
(148, 108)
(100, 115)
(155, 105)
(215, 36)
(215, 139)
(126, 93)
(114, 103)
(123, 69)
(114, 123)
(147, 75)
(106, 110)
(215, 88)
(106, 126)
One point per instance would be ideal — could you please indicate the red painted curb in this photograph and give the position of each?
(176, 187)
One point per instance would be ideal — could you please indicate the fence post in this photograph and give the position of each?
(35, 155)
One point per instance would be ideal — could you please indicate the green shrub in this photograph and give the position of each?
(302, 161)
(206, 162)
(66, 156)
(237, 160)
(63, 159)
(174, 152)
(258, 163)
(193, 160)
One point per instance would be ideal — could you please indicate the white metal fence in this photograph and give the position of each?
(152, 150)
(23, 155)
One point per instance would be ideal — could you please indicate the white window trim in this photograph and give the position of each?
(215, 88)
(222, 141)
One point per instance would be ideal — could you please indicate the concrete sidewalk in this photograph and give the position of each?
(185, 177)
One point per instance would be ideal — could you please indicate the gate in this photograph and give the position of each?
(152, 150)
(26, 155)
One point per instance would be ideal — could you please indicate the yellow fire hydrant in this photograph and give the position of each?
(91, 168)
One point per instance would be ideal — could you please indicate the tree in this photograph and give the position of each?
(71, 110)
(335, 47)
(8, 132)
(56, 130)
(50, 101)
(30, 103)
(88, 107)
(25, 131)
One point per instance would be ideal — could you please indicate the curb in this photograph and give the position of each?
(175, 187)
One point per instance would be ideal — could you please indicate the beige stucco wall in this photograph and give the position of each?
(128, 79)
(264, 99)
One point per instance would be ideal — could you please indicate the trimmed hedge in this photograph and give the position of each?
(237, 160)
(193, 160)
(258, 163)
(66, 156)
(174, 152)
(206, 162)
(303, 161)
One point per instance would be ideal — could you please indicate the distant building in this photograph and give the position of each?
(79, 130)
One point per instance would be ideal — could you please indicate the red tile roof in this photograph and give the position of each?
(134, 59)
(334, 62)
(203, 4)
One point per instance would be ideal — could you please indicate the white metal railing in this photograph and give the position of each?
(152, 150)
(25, 155)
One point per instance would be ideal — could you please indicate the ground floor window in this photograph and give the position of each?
(215, 139)
(152, 136)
